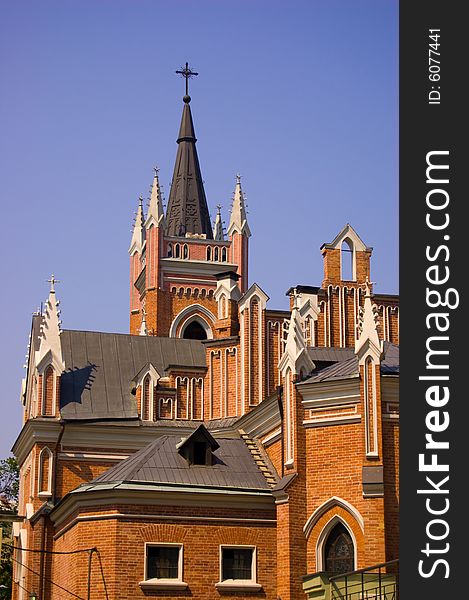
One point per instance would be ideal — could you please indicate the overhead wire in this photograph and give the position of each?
(91, 551)
(48, 580)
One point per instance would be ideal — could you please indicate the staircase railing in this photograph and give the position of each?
(380, 582)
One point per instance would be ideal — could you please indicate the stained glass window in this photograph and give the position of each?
(339, 551)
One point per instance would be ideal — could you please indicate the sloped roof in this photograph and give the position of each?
(340, 370)
(390, 363)
(343, 369)
(322, 354)
(99, 368)
(160, 462)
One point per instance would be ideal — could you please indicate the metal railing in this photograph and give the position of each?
(380, 582)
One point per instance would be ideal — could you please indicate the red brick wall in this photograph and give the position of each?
(391, 487)
(274, 452)
(71, 473)
(121, 547)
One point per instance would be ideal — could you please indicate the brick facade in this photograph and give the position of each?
(329, 452)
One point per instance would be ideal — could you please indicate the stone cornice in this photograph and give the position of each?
(262, 420)
(325, 393)
(141, 494)
(34, 431)
(127, 436)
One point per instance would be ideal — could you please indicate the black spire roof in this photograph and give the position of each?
(187, 206)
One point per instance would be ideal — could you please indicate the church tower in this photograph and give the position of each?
(178, 260)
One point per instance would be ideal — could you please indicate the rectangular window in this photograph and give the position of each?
(164, 562)
(237, 564)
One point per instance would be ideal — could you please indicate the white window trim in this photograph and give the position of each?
(165, 401)
(45, 493)
(151, 388)
(159, 583)
(371, 425)
(43, 391)
(235, 585)
(323, 536)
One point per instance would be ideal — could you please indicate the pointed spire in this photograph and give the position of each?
(187, 206)
(218, 234)
(368, 340)
(238, 219)
(50, 328)
(296, 355)
(138, 235)
(155, 214)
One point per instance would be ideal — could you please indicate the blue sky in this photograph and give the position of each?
(299, 97)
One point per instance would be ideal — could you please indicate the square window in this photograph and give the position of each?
(237, 564)
(164, 562)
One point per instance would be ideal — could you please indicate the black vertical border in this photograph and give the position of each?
(425, 128)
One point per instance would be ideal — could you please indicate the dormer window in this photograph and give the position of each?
(199, 447)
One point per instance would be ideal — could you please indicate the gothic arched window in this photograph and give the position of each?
(338, 551)
(223, 254)
(177, 251)
(170, 250)
(209, 253)
(185, 251)
(216, 252)
(194, 331)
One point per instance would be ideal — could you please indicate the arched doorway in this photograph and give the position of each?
(339, 551)
(194, 331)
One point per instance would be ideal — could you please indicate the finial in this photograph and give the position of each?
(187, 73)
(219, 208)
(52, 282)
(295, 300)
(368, 285)
(156, 170)
(238, 178)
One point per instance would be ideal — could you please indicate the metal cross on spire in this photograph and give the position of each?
(52, 282)
(187, 73)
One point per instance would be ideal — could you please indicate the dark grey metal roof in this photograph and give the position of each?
(99, 368)
(340, 370)
(322, 354)
(160, 462)
(349, 367)
(187, 206)
(390, 363)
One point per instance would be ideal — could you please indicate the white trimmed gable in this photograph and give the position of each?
(254, 291)
(295, 356)
(150, 370)
(368, 343)
(348, 233)
(50, 348)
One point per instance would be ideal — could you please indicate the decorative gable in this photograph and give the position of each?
(368, 343)
(295, 356)
(50, 349)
